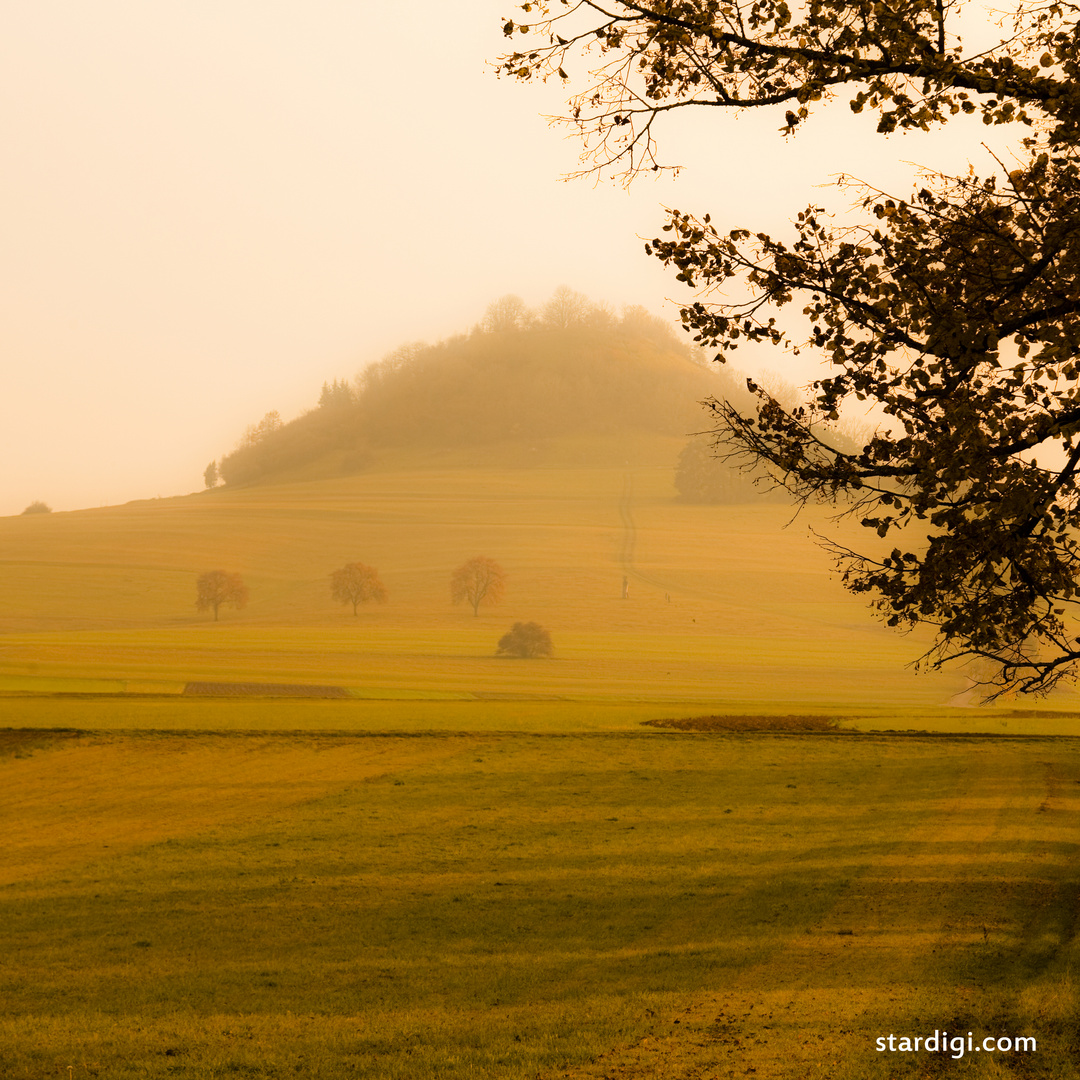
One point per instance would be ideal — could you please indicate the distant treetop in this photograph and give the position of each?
(571, 367)
(38, 507)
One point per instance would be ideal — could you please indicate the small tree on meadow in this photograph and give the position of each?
(357, 584)
(479, 581)
(38, 507)
(526, 640)
(218, 587)
(211, 475)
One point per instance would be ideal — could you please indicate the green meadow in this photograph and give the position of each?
(467, 866)
(515, 905)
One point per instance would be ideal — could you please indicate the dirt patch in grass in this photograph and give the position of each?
(750, 723)
(288, 690)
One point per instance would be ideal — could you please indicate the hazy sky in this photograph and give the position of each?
(212, 206)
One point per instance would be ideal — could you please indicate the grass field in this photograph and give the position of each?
(613, 904)
(733, 608)
(469, 867)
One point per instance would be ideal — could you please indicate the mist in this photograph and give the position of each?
(212, 210)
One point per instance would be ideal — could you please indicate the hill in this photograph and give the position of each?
(730, 609)
(587, 389)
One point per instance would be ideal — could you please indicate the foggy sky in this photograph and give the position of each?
(212, 208)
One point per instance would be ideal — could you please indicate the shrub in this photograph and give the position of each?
(38, 507)
(526, 640)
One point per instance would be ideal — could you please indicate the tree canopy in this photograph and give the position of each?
(953, 310)
(569, 369)
(478, 580)
(215, 588)
(525, 640)
(356, 584)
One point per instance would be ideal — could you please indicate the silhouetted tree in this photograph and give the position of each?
(220, 587)
(479, 581)
(507, 313)
(357, 584)
(526, 640)
(38, 507)
(256, 433)
(210, 475)
(703, 477)
(336, 394)
(953, 309)
(566, 308)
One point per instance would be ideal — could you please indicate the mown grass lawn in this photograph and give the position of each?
(511, 905)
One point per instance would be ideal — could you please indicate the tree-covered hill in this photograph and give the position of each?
(571, 370)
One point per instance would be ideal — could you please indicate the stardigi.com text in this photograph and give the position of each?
(956, 1046)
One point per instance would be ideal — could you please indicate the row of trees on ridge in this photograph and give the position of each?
(479, 581)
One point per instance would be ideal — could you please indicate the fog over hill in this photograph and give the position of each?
(571, 371)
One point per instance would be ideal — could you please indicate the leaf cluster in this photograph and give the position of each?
(900, 60)
(357, 583)
(951, 315)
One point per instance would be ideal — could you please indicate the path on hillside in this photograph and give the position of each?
(629, 537)
(626, 513)
(629, 547)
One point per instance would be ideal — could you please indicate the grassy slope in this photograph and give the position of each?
(512, 906)
(730, 607)
(501, 905)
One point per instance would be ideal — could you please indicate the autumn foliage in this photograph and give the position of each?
(356, 584)
(951, 311)
(217, 588)
(479, 581)
(526, 640)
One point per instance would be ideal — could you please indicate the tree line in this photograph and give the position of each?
(571, 366)
(479, 581)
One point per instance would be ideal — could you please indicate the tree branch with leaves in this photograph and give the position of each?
(953, 312)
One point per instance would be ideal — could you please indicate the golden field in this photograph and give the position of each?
(730, 608)
(468, 866)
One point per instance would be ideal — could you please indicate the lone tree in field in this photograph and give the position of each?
(952, 310)
(218, 587)
(38, 507)
(480, 581)
(526, 639)
(357, 584)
